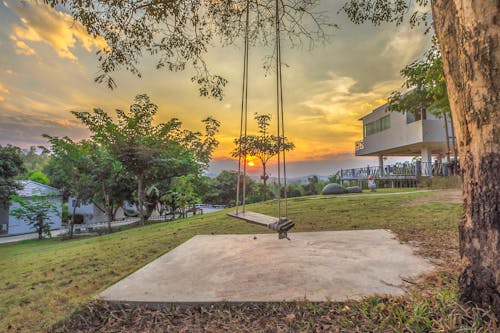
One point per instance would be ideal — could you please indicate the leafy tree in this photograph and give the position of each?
(294, 190)
(428, 92)
(263, 146)
(179, 33)
(226, 183)
(11, 165)
(182, 194)
(70, 170)
(111, 183)
(467, 33)
(334, 179)
(151, 152)
(313, 186)
(206, 189)
(39, 177)
(36, 212)
(34, 160)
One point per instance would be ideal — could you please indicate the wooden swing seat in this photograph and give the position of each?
(281, 226)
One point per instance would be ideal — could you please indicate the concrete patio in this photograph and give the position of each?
(317, 266)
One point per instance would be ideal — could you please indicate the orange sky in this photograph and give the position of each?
(47, 67)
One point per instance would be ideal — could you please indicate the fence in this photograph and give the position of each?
(396, 171)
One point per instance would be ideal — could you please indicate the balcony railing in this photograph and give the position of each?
(405, 170)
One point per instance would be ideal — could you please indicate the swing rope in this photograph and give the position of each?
(242, 147)
(281, 224)
(280, 118)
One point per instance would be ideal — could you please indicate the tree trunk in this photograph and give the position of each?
(469, 37)
(139, 199)
(454, 145)
(264, 175)
(109, 216)
(72, 221)
(40, 228)
(447, 138)
(108, 208)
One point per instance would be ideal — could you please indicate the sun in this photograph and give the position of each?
(250, 161)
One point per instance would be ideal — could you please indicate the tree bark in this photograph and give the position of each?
(72, 221)
(107, 206)
(469, 37)
(40, 228)
(454, 145)
(264, 179)
(139, 199)
(447, 138)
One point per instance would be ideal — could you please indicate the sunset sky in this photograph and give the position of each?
(48, 66)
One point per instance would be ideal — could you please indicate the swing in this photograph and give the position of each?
(279, 224)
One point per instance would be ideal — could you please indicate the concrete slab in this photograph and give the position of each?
(317, 266)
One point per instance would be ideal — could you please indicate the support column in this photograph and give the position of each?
(381, 165)
(426, 161)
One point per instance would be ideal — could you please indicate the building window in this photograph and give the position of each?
(411, 117)
(378, 125)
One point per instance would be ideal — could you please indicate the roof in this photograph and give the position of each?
(386, 104)
(31, 188)
(383, 106)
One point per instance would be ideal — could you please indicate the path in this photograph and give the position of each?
(32, 235)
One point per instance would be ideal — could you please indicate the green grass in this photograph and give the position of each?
(44, 282)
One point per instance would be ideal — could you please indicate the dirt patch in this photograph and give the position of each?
(445, 196)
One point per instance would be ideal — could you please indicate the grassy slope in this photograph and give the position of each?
(42, 282)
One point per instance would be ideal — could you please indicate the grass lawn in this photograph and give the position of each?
(44, 282)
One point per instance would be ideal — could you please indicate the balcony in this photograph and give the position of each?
(358, 145)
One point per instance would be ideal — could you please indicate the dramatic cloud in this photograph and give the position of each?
(326, 90)
(40, 23)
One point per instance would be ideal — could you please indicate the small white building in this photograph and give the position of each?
(387, 133)
(10, 225)
(93, 214)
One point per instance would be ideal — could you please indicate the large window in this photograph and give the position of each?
(378, 125)
(411, 117)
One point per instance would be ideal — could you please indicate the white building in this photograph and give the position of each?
(388, 133)
(10, 225)
(92, 214)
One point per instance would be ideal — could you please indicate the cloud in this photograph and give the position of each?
(404, 47)
(3, 91)
(22, 47)
(332, 112)
(24, 130)
(42, 24)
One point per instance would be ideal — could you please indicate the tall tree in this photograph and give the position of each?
(425, 78)
(263, 146)
(468, 33)
(151, 152)
(111, 183)
(70, 169)
(11, 165)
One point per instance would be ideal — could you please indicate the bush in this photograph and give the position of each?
(39, 177)
(441, 182)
